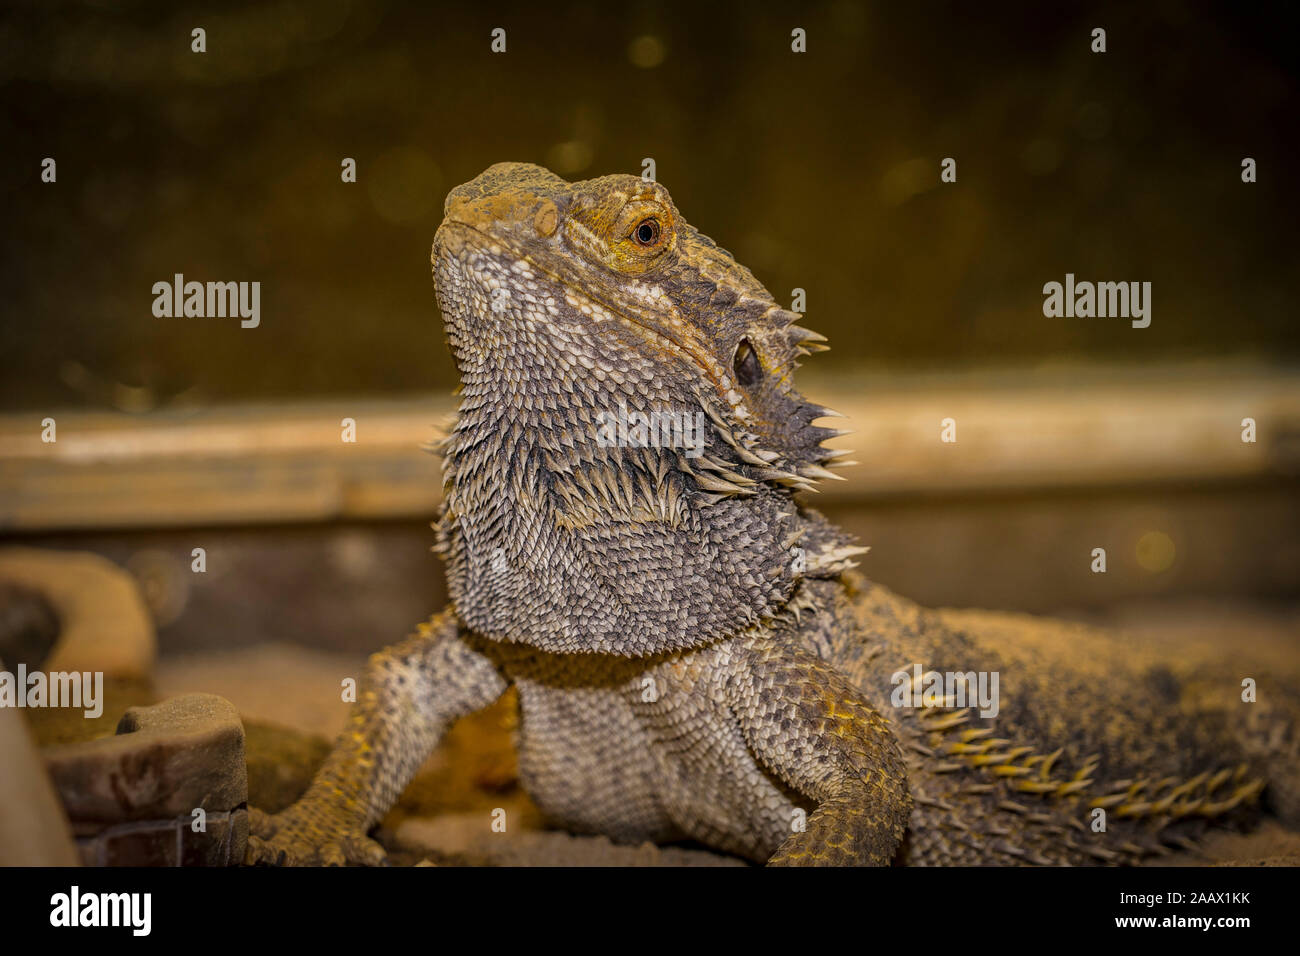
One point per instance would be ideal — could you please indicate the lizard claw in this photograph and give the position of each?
(309, 834)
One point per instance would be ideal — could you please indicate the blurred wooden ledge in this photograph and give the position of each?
(245, 464)
(1016, 432)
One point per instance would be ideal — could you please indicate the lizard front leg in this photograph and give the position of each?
(411, 693)
(812, 729)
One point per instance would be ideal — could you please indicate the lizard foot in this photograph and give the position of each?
(308, 834)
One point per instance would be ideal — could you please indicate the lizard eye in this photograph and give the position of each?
(745, 364)
(647, 232)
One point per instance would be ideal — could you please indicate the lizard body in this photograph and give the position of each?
(694, 654)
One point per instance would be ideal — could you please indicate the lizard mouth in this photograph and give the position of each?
(463, 241)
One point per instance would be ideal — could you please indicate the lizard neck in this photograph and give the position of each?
(556, 539)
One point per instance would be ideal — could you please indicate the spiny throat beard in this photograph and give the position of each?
(555, 541)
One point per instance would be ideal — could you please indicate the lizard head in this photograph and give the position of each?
(629, 436)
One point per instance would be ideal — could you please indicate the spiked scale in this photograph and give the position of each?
(1030, 785)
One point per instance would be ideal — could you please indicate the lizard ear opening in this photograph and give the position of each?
(746, 365)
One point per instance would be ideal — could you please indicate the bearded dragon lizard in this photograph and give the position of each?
(694, 653)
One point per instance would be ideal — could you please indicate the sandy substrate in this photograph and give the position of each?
(283, 684)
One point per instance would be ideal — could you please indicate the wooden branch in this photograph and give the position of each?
(288, 462)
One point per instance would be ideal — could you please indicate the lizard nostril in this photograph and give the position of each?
(546, 219)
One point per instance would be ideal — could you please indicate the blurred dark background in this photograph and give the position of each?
(818, 170)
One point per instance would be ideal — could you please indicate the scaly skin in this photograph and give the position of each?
(694, 656)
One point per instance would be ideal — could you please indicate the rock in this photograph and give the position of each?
(132, 797)
(169, 843)
(29, 626)
(33, 828)
(105, 623)
(165, 761)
